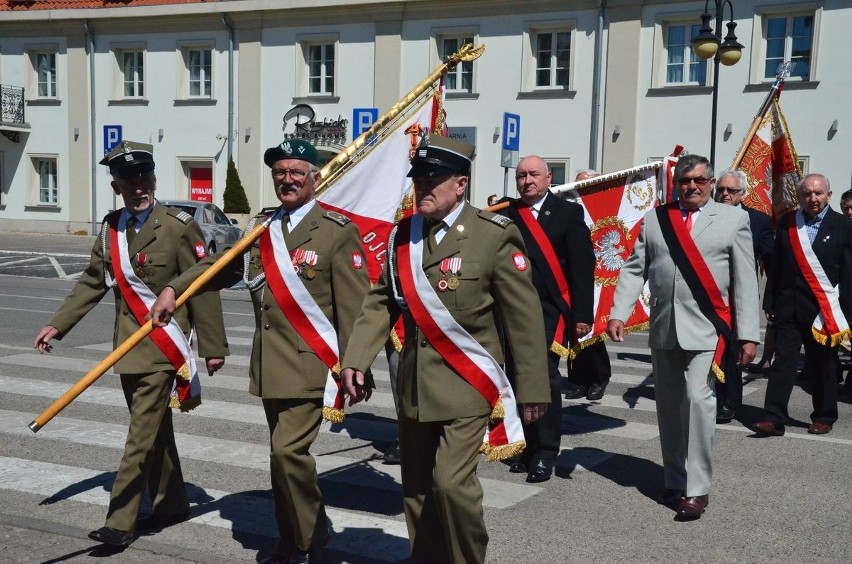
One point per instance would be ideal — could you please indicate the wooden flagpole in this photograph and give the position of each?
(784, 70)
(334, 168)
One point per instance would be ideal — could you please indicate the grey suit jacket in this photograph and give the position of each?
(723, 236)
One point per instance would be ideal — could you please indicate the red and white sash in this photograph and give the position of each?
(504, 436)
(169, 339)
(555, 268)
(302, 311)
(830, 325)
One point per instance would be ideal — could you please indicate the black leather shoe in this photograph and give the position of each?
(725, 413)
(311, 556)
(112, 537)
(518, 466)
(540, 470)
(391, 455)
(692, 508)
(575, 392)
(160, 521)
(596, 391)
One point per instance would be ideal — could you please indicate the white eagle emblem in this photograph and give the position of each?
(608, 251)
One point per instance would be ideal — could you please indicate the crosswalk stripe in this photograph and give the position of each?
(354, 533)
(498, 494)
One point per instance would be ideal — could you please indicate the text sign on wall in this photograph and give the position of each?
(201, 185)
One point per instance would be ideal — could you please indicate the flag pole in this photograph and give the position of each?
(334, 168)
(784, 70)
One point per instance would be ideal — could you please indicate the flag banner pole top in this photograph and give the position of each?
(467, 53)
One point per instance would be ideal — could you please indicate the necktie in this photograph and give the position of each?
(432, 241)
(688, 219)
(130, 230)
(285, 223)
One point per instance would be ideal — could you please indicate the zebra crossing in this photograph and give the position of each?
(228, 432)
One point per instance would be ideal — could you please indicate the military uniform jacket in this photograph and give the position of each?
(489, 281)
(167, 244)
(282, 363)
(566, 229)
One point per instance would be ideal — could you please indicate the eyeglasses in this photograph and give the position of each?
(700, 181)
(725, 189)
(294, 173)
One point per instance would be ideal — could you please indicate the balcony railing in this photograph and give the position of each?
(11, 104)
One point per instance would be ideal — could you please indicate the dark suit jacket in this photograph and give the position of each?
(564, 225)
(789, 297)
(762, 235)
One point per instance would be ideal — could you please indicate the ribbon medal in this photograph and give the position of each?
(450, 269)
(304, 262)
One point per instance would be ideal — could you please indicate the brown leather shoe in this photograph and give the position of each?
(818, 428)
(692, 507)
(670, 497)
(767, 429)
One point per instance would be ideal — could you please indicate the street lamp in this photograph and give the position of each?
(708, 43)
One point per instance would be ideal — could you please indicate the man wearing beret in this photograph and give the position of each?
(308, 277)
(139, 249)
(451, 269)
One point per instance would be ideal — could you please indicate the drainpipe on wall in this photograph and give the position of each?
(90, 51)
(230, 87)
(596, 89)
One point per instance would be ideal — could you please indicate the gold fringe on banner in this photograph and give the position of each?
(718, 373)
(562, 351)
(502, 452)
(183, 372)
(185, 406)
(333, 415)
(498, 412)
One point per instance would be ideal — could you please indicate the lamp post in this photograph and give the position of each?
(708, 43)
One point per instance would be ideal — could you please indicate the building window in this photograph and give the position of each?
(460, 79)
(552, 54)
(48, 191)
(45, 65)
(320, 62)
(789, 38)
(683, 66)
(558, 170)
(133, 73)
(199, 64)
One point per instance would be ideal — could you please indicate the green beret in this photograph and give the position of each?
(291, 149)
(130, 159)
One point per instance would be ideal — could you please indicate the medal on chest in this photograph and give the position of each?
(304, 262)
(450, 271)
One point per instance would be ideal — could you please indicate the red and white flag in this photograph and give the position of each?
(614, 205)
(375, 192)
(771, 165)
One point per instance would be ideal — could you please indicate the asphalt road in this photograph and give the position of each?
(774, 499)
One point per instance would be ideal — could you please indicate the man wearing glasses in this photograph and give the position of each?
(695, 254)
(730, 189)
(307, 277)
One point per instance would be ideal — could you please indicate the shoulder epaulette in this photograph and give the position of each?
(178, 213)
(337, 217)
(500, 220)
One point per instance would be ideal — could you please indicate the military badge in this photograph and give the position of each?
(200, 250)
(304, 262)
(357, 261)
(520, 261)
(450, 269)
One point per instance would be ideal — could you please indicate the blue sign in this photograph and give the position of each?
(112, 137)
(511, 132)
(362, 119)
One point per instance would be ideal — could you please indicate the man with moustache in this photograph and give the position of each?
(730, 190)
(139, 249)
(563, 263)
(307, 277)
(697, 258)
(810, 301)
(450, 269)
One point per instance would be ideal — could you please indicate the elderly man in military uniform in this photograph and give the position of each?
(451, 269)
(308, 277)
(139, 249)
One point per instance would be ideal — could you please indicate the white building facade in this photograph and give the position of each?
(605, 85)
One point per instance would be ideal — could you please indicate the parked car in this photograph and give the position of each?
(219, 231)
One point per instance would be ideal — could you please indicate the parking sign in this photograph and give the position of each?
(511, 132)
(362, 119)
(112, 137)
